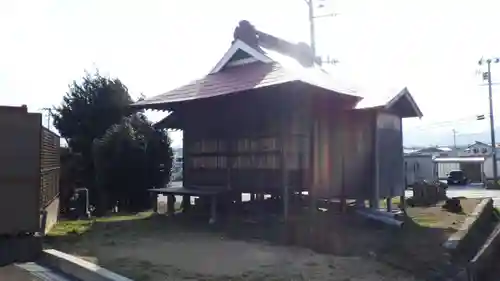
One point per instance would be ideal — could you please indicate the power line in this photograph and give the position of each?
(312, 29)
(49, 115)
(448, 123)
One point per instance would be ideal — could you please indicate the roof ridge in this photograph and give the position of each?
(257, 39)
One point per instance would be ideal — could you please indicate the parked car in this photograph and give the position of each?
(457, 177)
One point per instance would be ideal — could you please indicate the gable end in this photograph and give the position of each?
(240, 53)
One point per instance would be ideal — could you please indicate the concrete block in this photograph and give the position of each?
(78, 268)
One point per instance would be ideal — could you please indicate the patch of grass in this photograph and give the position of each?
(78, 227)
(436, 217)
(63, 228)
(426, 221)
(395, 202)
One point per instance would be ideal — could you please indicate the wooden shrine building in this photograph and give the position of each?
(268, 119)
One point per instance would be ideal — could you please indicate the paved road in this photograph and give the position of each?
(470, 191)
(30, 272)
(14, 273)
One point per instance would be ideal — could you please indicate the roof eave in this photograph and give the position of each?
(170, 122)
(338, 92)
(406, 94)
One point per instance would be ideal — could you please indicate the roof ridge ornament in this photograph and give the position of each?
(254, 38)
(247, 33)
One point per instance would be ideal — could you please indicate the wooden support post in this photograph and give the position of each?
(375, 200)
(402, 199)
(171, 204)
(402, 203)
(343, 201)
(312, 173)
(237, 197)
(388, 201)
(213, 210)
(186, 203)
(154, 201)
(360, 203)
(284, 167)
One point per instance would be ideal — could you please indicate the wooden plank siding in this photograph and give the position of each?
(344, 155)
(390, 160)
(230, 151)
(260, 143)
(247, 145)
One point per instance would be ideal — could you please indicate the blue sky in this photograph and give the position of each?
(432, 47)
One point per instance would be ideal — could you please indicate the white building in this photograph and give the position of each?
(419, 167)
(477, 149)
(473, 167)
(177, 163)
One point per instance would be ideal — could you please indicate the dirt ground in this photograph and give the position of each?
(13, 273)
(150, 248)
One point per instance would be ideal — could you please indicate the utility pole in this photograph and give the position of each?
(487, 76)
(312, 31)
(49, 115)
(454, 139)
(312, 28)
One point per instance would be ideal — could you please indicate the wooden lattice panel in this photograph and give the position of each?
(49, 167)
(49, 153)
(49, 186)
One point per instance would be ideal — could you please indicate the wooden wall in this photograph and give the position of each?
(390, 156)
(243, 144)
(255, 143)
(344, 155)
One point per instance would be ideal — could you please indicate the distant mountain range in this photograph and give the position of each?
(421, 138)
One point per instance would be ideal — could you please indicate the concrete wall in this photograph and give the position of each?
(19, 170)
(52, 215)
(29, 171)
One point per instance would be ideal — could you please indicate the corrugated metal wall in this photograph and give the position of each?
(19, 170)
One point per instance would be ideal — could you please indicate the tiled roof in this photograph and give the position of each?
(314, 74)
(278, 62)
(378, 99)
(231, 80)
(387, 101)
(241, 78)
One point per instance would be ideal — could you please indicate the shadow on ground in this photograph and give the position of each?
(414, 248)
